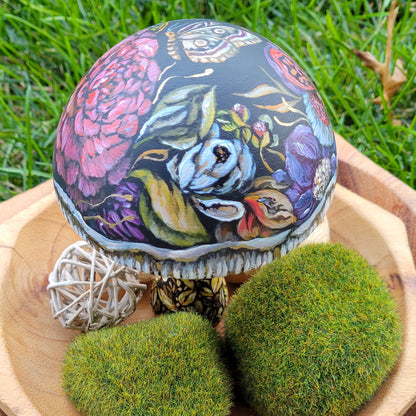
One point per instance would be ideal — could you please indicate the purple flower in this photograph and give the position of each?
(117, 216)
(295, 78)
(309, 169)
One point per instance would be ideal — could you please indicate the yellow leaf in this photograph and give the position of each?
(237, 120)
(158, 155)
(369, 60)
(166, 213)
(283, 107)
(166, 300)
(260, 91)
(391, 83)
(265, 140)
(229, 127)
(187, 297)
(208, 112)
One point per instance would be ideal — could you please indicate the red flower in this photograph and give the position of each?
(260, 128)
(102, 117)
(267, 211)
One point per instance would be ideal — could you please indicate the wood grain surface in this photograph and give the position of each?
(33, 233)
(364, 177)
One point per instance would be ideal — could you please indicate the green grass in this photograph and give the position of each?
(314, 333)
(170, 365)
(47, 45)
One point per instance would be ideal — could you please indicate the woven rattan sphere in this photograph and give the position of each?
(90, 291)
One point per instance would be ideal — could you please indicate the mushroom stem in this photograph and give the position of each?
(207, 297)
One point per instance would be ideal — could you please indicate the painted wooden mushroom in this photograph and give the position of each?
(191, 150)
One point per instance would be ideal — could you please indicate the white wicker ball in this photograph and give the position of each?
(90, 291)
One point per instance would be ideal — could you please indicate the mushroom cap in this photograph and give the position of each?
(195, 148)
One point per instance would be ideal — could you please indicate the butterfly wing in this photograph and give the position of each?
(209, 42)
(291, 73)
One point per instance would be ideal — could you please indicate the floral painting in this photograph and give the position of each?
(194, 132)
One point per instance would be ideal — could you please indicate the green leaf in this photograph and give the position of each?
(226, 121)
(182, 117)
(167, 214)
(228, 127)
(266, 119)
(248, 135)
(275, 140)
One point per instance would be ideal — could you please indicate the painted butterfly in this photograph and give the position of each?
(297, 79)
(209, 42)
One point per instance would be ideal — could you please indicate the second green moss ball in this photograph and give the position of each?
(314, 333)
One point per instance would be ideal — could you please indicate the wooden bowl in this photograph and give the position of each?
(33, 234)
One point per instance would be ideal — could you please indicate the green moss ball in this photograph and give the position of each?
(169, 365)
(313, 333)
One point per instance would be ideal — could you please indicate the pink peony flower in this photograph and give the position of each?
(102, 117)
